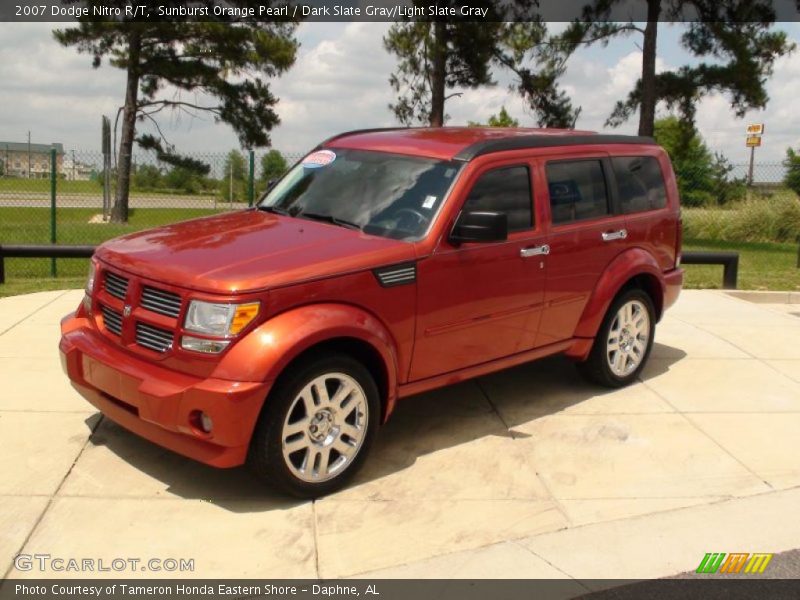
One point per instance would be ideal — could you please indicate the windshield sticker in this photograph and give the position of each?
(429, 202)
(320, 158)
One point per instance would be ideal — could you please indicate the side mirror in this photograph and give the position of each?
(480, 226)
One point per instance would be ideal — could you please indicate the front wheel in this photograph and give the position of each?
(623, 343)
(316, 427)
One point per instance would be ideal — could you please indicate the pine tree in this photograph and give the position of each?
(226, 59)
(735, 37)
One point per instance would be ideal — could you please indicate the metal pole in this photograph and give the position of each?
(230, 185)
(29, 154)
(750, 171)
(53, 271)
(251, 184)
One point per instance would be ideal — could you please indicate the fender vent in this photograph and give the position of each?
(397, 274)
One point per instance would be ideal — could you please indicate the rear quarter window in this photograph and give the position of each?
(640, 183)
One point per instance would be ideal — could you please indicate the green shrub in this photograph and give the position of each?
(771, 218)
(792, 164)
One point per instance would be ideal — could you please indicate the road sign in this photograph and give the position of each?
(753, 141)
(755, 129)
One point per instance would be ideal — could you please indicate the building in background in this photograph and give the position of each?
(21, 159)
(74, 170)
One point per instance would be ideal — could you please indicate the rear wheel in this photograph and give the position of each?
(623, 343)
(317, 426)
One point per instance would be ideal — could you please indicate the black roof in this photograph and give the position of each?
(546, 141)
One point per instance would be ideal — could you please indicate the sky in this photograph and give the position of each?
(340, 82)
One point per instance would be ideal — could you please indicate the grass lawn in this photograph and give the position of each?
(32, 226)
(762, 266)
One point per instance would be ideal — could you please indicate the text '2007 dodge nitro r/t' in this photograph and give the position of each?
(383, 264)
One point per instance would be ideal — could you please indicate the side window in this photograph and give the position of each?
(577, 190)
(640, 183)
(506, 190)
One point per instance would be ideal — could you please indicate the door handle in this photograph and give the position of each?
(535, 251)
(610, 236)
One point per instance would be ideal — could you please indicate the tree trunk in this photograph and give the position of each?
(119, 214)
(647, 108)
(439, 61)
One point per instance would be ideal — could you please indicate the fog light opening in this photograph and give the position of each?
(200, 420)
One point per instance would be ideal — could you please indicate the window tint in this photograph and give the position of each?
(505, 190)
(577, 190)
(640, 183)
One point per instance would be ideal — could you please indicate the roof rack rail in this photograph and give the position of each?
(358, 131)
(546, 141)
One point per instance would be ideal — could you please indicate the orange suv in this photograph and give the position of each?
(383, 264)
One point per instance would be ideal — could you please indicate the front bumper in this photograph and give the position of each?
(157, 403)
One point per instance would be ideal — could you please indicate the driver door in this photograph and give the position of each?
(481, 301)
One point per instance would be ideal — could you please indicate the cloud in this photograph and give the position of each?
(340, 82)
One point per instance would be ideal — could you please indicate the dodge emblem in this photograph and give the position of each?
(126, 312)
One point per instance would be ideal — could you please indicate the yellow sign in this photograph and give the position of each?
(753, 141)
(756, 129)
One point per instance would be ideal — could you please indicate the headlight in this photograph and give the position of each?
(90, 280)
(222, 320)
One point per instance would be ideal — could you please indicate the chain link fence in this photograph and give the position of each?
(720, 203)
(73, 211)
(724, 206)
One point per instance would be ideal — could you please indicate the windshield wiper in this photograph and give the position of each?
(273, 209)
(329, 219)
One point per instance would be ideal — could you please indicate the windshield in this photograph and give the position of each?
(382, 194)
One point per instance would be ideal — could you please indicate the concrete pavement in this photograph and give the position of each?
(526, 473)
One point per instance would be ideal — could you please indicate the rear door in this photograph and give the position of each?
(585, 236)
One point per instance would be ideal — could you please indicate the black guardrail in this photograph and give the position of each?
(728, 260)
(41, 251)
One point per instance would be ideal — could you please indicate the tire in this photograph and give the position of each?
(618, 367)
(317, 426)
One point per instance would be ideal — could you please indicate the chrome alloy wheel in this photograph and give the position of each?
(628, 338)
(325, 427)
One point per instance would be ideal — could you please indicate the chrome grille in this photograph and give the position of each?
(161, 302)
(153, 338)
(112, 320)
(116, 285)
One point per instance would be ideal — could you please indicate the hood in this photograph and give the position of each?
(247, 251)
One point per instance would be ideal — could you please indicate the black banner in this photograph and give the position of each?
(399, 589)
(374, 10)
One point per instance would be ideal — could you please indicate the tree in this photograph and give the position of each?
(703, 177)
(438, 58)
(502, 119)
(273, 165)
(233, 183)
(792, 164)
(734, 36)
(224, 58)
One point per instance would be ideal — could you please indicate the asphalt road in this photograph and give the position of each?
(39, 200)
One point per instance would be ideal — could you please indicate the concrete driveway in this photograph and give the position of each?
(525, 473)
